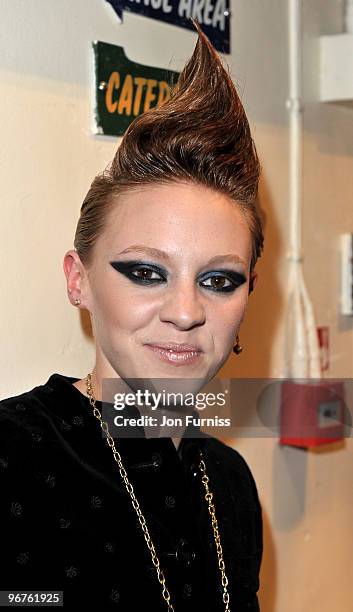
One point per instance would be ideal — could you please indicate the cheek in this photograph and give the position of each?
(122, 310)
(225, 324)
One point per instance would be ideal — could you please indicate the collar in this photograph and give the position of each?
(66, 394)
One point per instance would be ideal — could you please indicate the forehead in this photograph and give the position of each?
(179, 218)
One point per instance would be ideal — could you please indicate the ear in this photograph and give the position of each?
(74, 273)
(253, 281)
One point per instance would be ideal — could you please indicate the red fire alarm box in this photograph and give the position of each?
(312, 412)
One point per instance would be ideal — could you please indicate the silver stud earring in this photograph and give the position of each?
(77, 301)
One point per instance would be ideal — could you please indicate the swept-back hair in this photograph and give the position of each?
(200, 135)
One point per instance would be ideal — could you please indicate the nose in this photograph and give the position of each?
(183, 307)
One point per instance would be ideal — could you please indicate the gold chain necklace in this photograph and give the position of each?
(208, 497)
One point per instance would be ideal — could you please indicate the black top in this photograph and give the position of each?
(67, 521)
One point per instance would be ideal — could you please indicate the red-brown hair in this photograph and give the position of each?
(200, 135)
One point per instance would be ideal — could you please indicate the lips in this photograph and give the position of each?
(177, 354)
(174, 347)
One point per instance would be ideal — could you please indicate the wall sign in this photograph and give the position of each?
(213, 16)
(124, 89)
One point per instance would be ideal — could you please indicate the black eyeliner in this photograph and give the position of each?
(237, 277)
(127, 267)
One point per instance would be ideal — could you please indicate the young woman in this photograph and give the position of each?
(164, 261)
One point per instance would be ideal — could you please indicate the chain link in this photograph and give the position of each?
(208, 497)
(212, 511)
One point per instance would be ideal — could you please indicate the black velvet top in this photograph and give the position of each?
(67, 521)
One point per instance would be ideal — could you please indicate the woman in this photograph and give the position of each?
(165, 251)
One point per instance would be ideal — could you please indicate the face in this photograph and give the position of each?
(172, 266)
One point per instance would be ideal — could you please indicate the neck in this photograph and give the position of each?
(176, 442)
(81, 385)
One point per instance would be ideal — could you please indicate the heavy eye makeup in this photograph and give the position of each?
(147, 274)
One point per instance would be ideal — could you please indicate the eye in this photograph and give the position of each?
(221, 283)
(146, 274)
(218, 283)
(139, 273)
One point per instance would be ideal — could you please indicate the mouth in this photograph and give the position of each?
(176, 354)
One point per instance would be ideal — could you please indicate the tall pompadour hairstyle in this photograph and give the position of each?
(200, 135)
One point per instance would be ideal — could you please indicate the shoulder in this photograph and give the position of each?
(227, 454)
(18, 403)
(22, 414)
(16, 418)
(11, 406)
(235, 468)
(8, 403)
(236, 477)
(56, 391)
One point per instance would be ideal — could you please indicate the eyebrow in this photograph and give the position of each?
(230, 257)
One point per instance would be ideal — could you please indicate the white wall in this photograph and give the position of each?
(48, 159)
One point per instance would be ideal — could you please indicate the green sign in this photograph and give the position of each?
(124, 89)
